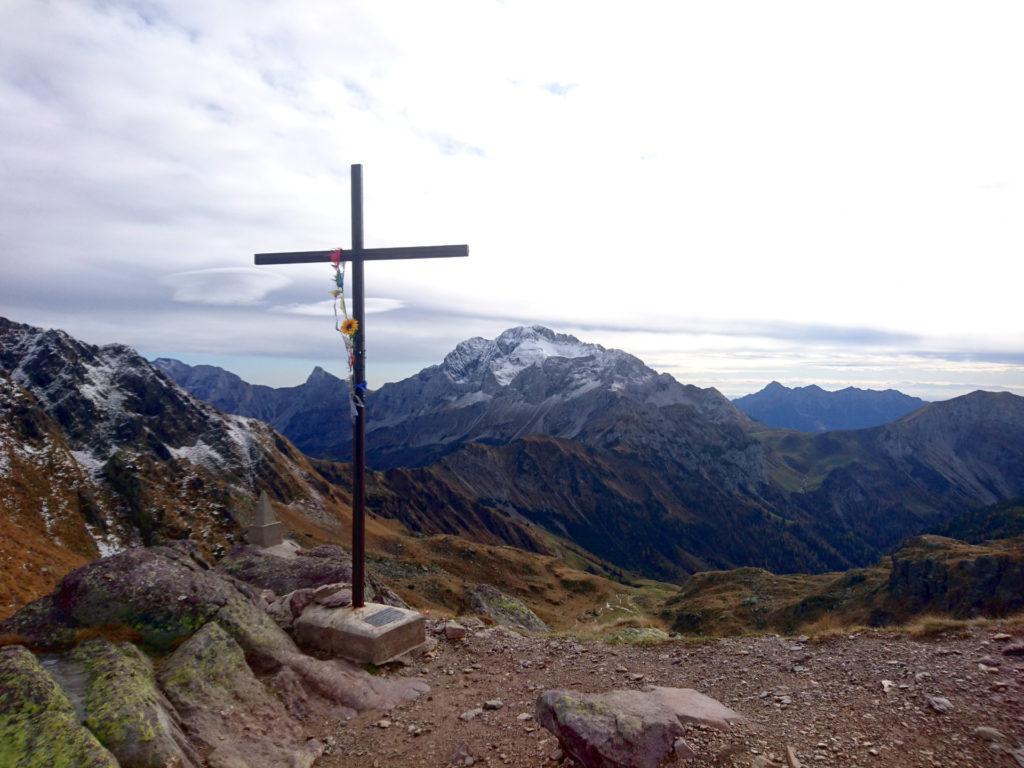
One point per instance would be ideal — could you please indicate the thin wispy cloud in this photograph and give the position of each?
(227, 285)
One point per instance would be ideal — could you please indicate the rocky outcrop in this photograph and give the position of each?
(160, 594)
(167, 598)
(227, 710)
(38, 726)
(628, 729)
(932, 573)
(485, 600)
(126, 711)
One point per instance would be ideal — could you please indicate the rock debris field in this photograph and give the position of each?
(872, 699)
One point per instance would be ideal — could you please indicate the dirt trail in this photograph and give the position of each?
(826, 700)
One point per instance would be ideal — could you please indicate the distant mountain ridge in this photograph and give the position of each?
(538, 430)
(813, 409)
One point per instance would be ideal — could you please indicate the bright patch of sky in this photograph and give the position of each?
(734, 192)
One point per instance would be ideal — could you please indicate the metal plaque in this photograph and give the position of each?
(383, 618)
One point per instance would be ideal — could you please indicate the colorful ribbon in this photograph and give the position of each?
(347, 327)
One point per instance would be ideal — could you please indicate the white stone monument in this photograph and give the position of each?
(266, 530)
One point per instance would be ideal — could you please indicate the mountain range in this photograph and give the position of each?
(813, 409)
(536, 431)
(526, 381)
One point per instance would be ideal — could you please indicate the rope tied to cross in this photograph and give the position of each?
(347, 327)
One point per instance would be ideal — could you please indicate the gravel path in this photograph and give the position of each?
(827, 701)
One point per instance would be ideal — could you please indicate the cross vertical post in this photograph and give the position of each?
(359, 375)
(358, 255)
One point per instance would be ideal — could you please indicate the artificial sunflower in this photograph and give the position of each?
(349, 326)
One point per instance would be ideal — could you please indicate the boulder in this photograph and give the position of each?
(227, 710)
(627, 729)
(126, 711)
(159, 593)
(452, 630)
(503, 609)
(298, 600)
(333, 595)
(308, 569)
(692, 706)
(1015, 648)
(38, 726)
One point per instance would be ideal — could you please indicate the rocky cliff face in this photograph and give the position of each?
(939, 575)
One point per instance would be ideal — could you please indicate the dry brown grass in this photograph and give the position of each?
(9, 638)
(828, 626)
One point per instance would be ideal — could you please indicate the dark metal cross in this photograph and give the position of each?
(357, 255)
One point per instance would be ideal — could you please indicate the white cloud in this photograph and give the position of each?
(224, 285)
(806, 181)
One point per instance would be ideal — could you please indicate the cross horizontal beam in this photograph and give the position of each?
(365, 254)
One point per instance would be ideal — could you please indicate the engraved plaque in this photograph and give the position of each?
(383, 618)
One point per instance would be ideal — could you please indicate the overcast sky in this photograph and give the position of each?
(735, 192)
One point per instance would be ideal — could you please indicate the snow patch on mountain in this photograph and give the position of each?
(91, 466)
(106, 543)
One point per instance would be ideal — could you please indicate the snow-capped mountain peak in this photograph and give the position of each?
(512, 352)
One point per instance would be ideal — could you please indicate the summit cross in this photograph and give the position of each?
(358, 255)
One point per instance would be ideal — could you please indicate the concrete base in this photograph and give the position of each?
(373, 634)
(286, 548)
(270, 535)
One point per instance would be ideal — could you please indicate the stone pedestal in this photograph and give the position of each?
(373, 634)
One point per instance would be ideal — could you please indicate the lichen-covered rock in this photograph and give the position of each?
(503, 609)
(126, 711)
(227, 710)
(38, 726)
(613, 730)
(628, 729)
(309, 568)
(162, 594)
(159, 592)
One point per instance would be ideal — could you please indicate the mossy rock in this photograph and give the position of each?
(504, 609)
(38, 726)
(126, 711)
(158, 595)
(225, 708)
(158, 591)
